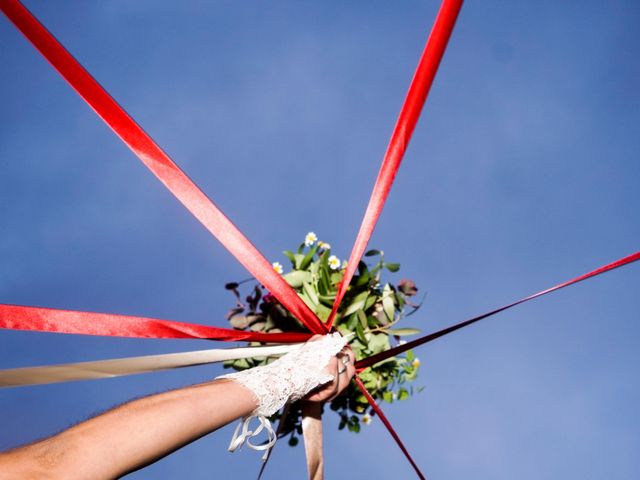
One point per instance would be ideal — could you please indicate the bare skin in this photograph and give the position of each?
(141, 432)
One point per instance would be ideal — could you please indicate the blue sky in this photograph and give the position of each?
(523, 172)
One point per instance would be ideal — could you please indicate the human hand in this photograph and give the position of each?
(342, 368)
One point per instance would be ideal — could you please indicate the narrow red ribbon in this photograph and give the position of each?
(372, 360)
(407, 119)
(159, 162)
(388, 425)
(16, 317)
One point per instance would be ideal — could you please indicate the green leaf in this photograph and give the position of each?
(297, 278)
(392, 267)
(378, 342)
(363, 319)
(291, 256)
(403, 394)
(322, 312)
(328, 299)
(370, 301)
(371, 253)
(387, 397)
(307, 300)
(360, 334)
(308, 257)
(336, 277)
(241, 364)
(388, 304)
(311, 293)
(356, 304)
(402, 332)
(297, 260)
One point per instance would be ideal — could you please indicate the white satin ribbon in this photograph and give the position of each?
(245, 437)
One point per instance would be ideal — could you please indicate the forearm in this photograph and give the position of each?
(131, 436)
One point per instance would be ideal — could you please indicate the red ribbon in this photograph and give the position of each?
(39, 319)
(387, 424)
(407, 119)
(372, 360)
(197, 202)
(159, 162)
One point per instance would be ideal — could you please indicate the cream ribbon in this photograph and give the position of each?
(312, 435)
(68, 372)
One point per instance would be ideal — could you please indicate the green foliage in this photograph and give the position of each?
(369, 313)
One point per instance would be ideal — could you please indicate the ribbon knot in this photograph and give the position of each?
(242, 434)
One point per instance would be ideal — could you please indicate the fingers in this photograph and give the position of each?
(346, 368)
(342, 368)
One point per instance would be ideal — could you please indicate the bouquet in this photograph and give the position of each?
(368, 315)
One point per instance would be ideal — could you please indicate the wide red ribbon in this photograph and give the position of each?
(159, 162)
(16, 317)
(407, 119)
(372, 360)
(197, 202)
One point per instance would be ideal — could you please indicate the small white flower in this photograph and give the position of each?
(310, 239)
(366, 419)
(334, 262)
(277, 266)
(324, 246)
(345, 264)
(402, 342)
(394, 396)
(415, 363)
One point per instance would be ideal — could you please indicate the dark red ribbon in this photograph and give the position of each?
(159, 162)
(372, 360)
(407, 119)
(387, 424)
(16, 317)
(221, 227)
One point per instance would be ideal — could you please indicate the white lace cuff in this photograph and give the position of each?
(287, 379)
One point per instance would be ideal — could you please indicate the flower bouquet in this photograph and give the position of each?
(368, 315)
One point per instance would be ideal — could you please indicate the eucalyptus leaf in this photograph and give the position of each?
(356, 304)
(378, 342)
(297, 278)
(322, 312)
(388, 304)
(392, 267)
(311, 293)
(402, 332)
(363, 319)
(360, 334)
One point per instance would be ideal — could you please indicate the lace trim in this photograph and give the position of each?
(286, 380)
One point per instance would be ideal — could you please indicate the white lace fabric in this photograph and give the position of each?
(288, 379)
